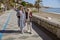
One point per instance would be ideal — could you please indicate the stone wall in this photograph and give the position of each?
(48, 24)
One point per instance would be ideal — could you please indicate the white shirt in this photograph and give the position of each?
(22, 15)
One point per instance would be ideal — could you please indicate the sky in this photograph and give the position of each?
(30, 1)
(50, 3)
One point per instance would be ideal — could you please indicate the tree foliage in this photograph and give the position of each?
(37, 4)
(29, 5)
(23, 3)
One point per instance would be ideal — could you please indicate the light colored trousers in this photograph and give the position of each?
(22, 24)
(28, 25)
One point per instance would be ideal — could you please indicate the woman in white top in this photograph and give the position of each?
(22, 18)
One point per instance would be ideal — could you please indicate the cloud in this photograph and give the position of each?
(54, 3)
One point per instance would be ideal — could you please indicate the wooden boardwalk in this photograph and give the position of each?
(9, 29)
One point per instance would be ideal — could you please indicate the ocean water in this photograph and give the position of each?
(54, 10)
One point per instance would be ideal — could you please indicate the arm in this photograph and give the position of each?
(30, 14)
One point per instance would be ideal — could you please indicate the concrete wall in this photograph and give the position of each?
(48, 24)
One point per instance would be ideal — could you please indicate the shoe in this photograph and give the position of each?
(30, 33)
(21, 32)
(28, 30)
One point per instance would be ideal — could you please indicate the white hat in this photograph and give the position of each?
(29, 9)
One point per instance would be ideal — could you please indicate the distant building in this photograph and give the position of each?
(46, 7)
(18, 1)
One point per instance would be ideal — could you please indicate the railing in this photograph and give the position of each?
(47, 24)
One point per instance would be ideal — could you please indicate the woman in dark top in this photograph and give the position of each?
(28, 14)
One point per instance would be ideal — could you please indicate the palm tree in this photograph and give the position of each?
(37, 4)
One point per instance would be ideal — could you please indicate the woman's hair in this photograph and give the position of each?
(29, 9)
(21, 7)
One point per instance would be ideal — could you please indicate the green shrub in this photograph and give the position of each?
(34, 11)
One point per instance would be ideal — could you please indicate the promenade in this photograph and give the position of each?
(9, 29)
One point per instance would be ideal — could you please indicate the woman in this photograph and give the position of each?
(22, 18)
(18, 16)
(28, 19)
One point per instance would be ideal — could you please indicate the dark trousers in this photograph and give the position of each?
(18, 21)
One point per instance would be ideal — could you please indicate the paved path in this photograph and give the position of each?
(10, 31)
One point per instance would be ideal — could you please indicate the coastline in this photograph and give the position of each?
(52, 15)
(48, 12)
(53, 12)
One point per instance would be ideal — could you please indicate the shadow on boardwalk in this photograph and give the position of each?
(44, 34)
(10, 31)
(37, 30)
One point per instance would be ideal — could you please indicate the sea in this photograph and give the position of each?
(52, 10)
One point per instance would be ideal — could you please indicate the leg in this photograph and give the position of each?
(18, 21)
(30, 27)
(21, 25)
